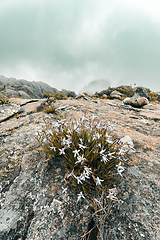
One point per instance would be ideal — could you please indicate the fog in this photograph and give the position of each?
(69, 43)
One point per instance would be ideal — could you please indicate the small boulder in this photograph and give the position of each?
(128, 144)
(127, 140)
(116, 94)
(136, 101)
(69, 93)
(82, 96)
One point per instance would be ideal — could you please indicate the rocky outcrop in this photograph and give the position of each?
(33, 201)
(23, 88)
(137, 96)
(142, 92)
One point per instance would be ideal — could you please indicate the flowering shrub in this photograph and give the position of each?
(92, 152)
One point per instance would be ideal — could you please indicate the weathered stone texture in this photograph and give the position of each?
(33, 205)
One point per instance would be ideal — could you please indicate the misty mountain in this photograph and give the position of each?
(95, 86)
(23, 88)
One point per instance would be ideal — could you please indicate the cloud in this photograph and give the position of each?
(69, 43)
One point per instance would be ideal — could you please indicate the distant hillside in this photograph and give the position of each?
(23, 88)
(96, 86)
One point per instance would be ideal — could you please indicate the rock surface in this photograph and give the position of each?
(33, 205)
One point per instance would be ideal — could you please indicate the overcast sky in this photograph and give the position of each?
(68, 43)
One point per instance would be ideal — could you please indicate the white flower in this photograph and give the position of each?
(64, 141)
(104, 158)
(80, 195)
(64, 190)
(53, 148)
(120, 169)
(99, 145)
(98, 181)
(60, 121)
(69, 131)
(102, 151)
(70, 174)
(106, 135)
(110, 155)
(78, 130)
(87, 170)
(81, 159)
(96, 136)
(81, 146)
(111, 194)
(76, 152)
(75, 126)
(109, 141)
(78, 179)
(84, 175)
(121, 151)
(61, 151)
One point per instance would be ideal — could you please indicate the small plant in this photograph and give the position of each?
(60, 96)
(3, 99)
(47, 95)
(50, 109)
(93, 155)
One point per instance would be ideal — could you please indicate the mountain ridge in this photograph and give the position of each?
(24, 88)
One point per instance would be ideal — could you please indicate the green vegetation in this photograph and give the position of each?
(60, 96)
(50, 109)
(3, 99)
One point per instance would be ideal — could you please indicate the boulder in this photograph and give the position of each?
(69, 93)
(136, 101)
(83, 96)
(116, 94)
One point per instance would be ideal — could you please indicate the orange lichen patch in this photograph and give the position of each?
(153, 95)
(122, 98)
(133, 160)
(133, 182)
(150, 148)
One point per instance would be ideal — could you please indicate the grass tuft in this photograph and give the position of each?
(93, 155)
